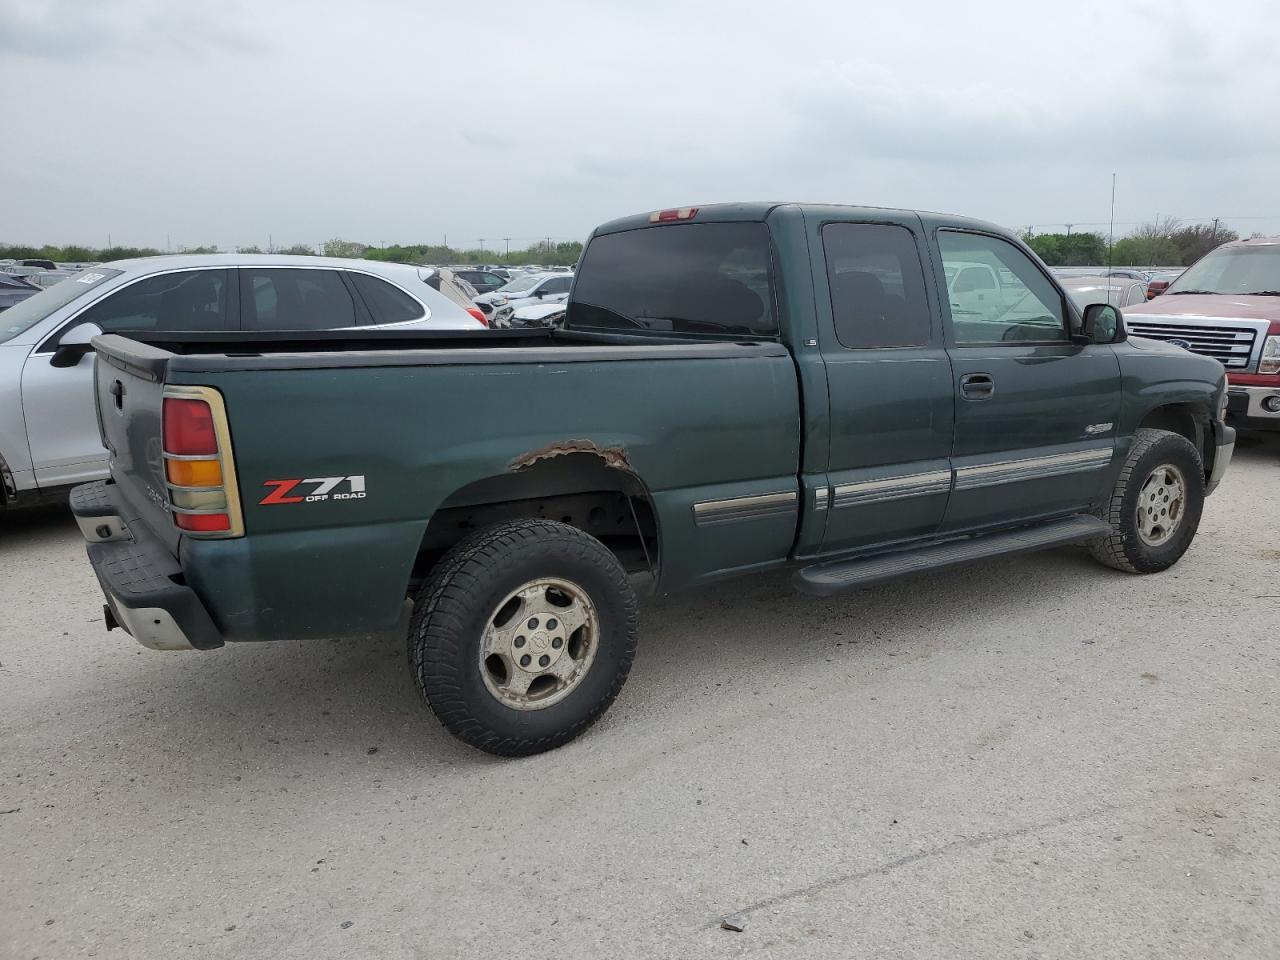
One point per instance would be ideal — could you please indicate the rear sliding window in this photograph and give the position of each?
(678, 278)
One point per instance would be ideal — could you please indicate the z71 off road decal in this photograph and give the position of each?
(325, 488)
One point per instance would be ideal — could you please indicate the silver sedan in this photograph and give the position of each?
(48, 432)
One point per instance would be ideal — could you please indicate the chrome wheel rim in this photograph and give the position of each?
(539, 643)
(1161, 505)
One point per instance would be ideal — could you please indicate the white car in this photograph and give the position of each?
(522, 291)
(48, 430)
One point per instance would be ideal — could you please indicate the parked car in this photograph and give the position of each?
(1117, 291)
(522, 291)
(539, 315)
(1226, 305)
(445, 281)
(1160, 280)
(484, 281)
(48, 437)
(1129, 273)
(737, 388)
(13, 290)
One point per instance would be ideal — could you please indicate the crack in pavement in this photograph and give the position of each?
(967, 843)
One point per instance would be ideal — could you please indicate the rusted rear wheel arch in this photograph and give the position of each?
(585, 488)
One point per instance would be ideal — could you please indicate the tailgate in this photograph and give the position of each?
(129, 382)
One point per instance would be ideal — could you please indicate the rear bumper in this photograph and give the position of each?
(1224, 439)
(141, 580)
(1247, 406)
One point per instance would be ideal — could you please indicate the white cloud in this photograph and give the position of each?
(392, 119)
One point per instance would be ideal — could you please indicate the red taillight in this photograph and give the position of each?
(188, 428)
(680, 213)
(202, 522)
(475, 312)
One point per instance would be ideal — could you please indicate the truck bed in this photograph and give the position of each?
(429, 426)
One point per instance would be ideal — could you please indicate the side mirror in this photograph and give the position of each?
(74, 344)
(1103, 323)
(540, 292)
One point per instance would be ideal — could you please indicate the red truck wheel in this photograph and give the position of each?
(1155, 505)
(523, 636)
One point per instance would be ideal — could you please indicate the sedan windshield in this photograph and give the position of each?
(29, 312)
(1232, 270)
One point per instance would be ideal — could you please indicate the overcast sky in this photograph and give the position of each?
(407, 120)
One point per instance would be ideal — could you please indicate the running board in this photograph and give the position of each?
(822, 579)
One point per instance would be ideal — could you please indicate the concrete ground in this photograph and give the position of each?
(1035, 757)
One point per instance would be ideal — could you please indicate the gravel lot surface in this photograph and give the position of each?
(1034, 757)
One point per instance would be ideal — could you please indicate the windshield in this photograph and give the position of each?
(1232, 270)
(29, 312)
(686, 278)
(520, 284)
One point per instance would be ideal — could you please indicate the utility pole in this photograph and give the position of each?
(271, 244)
(507, 241)
(1215, 230)
(1069, 226)
(482, 244)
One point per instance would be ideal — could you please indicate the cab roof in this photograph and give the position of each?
(760, 210)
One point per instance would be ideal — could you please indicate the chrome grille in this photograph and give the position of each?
(1229, 345)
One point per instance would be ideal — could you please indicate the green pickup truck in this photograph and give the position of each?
(852, 393)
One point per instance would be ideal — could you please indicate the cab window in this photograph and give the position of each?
(996, 292)
(876, 284)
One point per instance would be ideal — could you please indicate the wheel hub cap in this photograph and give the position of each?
(1161, 503)
(539, 643)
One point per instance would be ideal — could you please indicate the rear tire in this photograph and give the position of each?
(523, 636)
(1155, 506)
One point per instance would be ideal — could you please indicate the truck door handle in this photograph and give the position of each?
(977, 386)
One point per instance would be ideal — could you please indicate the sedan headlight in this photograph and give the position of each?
(1270, 362)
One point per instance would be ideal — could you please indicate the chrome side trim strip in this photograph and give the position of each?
(892, 488)
(820, 499)
(756, 507)
(1032, 468)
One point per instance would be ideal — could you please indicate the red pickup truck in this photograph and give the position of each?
(1227, 306)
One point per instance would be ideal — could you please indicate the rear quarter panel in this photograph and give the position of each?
(689, 429)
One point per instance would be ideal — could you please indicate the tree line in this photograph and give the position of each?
(546, 252)
(1162, 242)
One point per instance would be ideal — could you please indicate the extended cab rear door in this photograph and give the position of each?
(1036, 415)
(889, 378)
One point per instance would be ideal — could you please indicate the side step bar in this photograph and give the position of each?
(823, 579)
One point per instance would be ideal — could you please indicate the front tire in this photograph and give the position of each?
(1155, 506)
(523, 636)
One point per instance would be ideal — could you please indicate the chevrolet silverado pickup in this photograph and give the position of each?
(1226, 306)
(735, 388)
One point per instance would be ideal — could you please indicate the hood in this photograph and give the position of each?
(1147, 344)
(1208, 305)
(538, 311)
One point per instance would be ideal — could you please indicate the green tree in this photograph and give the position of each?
(338, 247)
(299, 250)
(1195, 241)
(252, 248)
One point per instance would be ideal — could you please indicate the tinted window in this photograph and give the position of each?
(387, 303)
(877, 285)
(286, 299)
(683, 278)
(188, 300)
(557, 285)
(996, 292)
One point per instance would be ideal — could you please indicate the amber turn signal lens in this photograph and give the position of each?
(194, 473)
